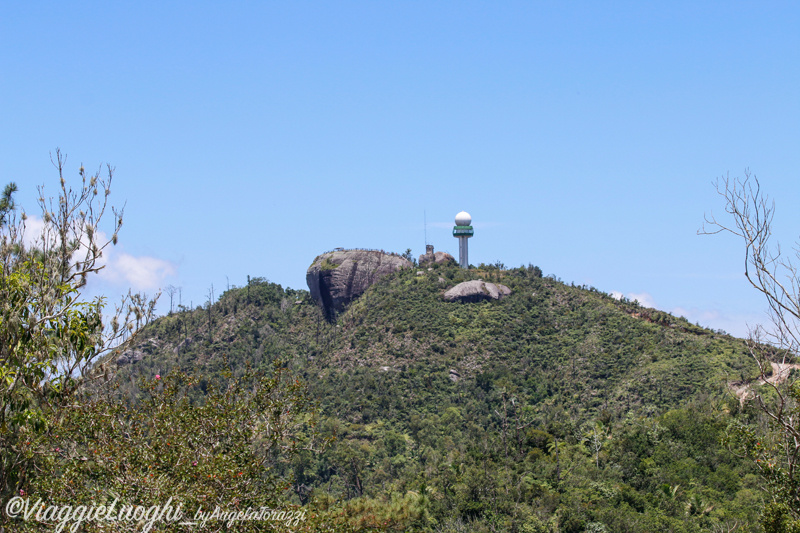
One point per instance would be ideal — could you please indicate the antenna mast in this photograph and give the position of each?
(425, 222)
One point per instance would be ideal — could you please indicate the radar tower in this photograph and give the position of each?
(463, 231)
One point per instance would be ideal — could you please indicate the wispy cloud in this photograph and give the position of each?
(142, 273)
(33, 230)
(139, 273)
(644, 299)
(733, 323)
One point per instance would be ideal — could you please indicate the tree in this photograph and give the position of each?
(171, 290)
(595, 437)
(408, 256)
(50, 338)
(776, 450)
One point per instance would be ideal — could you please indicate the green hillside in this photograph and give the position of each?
(557, 408)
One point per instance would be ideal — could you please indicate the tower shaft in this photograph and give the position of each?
(463, 251)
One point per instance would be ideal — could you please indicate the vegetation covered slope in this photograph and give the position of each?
(557, 408)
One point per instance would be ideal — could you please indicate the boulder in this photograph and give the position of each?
(129, 357)
(435, 257)
(337, 278)
(476, 291)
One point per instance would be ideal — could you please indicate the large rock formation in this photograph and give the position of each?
(475, 291)
(130, 356)
(435, 257)
(337, 278)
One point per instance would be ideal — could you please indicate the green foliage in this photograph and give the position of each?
(40, 335)
(49, 338)
(69, 440)
(327, 264)
(556, 408)
(771, 445)
(777, 518)
(7, 202)
(230, 450)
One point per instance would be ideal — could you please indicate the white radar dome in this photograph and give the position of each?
(463, 219)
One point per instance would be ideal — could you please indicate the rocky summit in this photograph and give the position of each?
(337, 278)
(435, 258)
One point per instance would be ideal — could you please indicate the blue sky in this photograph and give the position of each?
(248, 137)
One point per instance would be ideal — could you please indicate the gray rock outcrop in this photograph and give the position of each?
(337, 278)
(130, 356)
(142, 350)
(476, 291)
(435, 257)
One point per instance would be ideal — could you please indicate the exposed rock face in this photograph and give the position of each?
(435, 257)
(148, 347)
(476, 291)
(130, 356)
(337, 278)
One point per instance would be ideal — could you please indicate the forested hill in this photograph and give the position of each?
(486, 407)
(546, 341)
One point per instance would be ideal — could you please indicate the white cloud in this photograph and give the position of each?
(38, 234)
(735, 324)
(644, 299)
(141, 273)
(33, 230)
